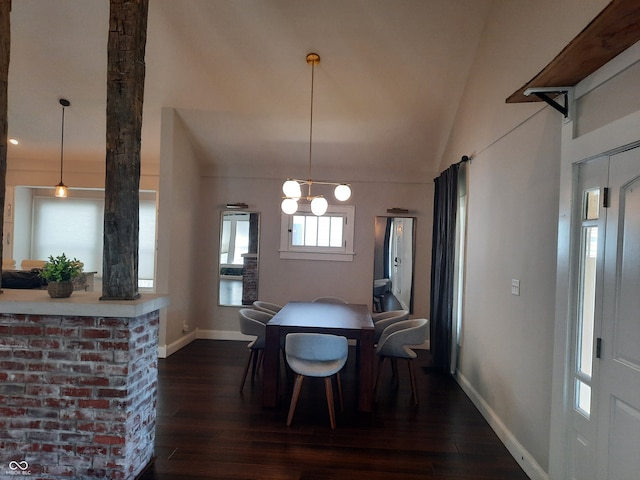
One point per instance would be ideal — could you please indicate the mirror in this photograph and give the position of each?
(238, 258)
(393, 263)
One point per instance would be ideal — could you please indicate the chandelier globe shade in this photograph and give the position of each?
(291, 189)
(342, 192)
(319, 206)
(289, 206)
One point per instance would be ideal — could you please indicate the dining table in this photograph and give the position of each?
(352, 321)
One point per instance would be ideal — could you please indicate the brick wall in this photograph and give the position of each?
(250, 279)
(77, 396)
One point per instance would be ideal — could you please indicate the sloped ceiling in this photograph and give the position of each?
(386, 89)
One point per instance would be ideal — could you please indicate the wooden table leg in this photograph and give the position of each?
(365, 393)
(271, 365)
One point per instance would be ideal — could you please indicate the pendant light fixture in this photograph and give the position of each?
(292, 188)
(61, 188)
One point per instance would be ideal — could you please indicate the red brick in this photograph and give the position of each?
(79, 345)
(29, 354)
(104, 357)
(61, 331)
(75, 392)
(111, 393)
(113, 346)
(92, 450)
(45, 344)
(108, 440)
(93, 404)
(7, 365)
(42, 390)
(95, 381)
(93, 427)
(95, 333)
(26, 330)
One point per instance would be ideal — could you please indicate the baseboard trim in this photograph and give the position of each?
(517, 451)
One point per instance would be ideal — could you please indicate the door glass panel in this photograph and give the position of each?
(591, 204)
(583, 398)
(587, 300)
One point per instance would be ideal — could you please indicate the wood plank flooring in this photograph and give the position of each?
(206, 429)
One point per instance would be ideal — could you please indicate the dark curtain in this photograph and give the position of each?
(445, 206)
(387, 236)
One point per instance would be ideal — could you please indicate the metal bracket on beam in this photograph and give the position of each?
(543, 93)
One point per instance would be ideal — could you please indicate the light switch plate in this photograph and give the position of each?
(515, 286)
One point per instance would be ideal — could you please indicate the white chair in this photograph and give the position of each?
(395, 342)
(267, 307)
(383, 319)
(253, 323)
(330, 300)
(316, 355)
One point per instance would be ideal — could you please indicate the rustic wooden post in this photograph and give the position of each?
(5, 48)
(125, 94)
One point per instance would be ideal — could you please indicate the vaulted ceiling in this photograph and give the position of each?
(386, 89)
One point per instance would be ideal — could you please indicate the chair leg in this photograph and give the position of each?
(246, 370)
(256, 357)
(340, 391)
(376, 388)
(294, 397)
(412, 376)
(329, 389)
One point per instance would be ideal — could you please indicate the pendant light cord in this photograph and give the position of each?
(62, 144)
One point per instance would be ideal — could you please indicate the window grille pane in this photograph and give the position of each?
(324, 225)
(297, 231)
(242, 241)
(311, 231)
(336, 232)
(591, 204)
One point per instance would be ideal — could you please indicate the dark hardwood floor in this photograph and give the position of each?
(206, 429)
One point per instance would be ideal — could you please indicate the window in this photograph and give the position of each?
(308, 237)
(74, 225)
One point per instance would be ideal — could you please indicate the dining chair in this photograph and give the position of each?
(337, 300)
(253, 323)
(316, 355)
(383, 319)
(267, 307)
(395, 342)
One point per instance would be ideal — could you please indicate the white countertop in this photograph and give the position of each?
(88, 304)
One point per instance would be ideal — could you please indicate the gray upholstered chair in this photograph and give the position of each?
(253, 323)
(316, 355)
(267, 307)
(383, 319)
(330, 300)
(395, 342)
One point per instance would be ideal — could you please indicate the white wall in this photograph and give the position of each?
(507, 351)
(284, 280)
(178, 262)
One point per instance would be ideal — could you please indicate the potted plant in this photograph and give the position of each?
(59, 273)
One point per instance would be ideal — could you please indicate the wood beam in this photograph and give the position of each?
(5, 49)
(125, 95)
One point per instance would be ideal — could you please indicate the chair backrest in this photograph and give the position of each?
(398, 337)
(249, 324)
(268, 307)
(330, 300)
(388, 314)
(258, 315)
(393, 316)
(318, 347)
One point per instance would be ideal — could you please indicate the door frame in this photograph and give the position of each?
(619, 135)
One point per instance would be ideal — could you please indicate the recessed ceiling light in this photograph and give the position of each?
(14, 141)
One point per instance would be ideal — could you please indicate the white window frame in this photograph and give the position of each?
(334, 254)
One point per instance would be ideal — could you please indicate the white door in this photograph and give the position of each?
(617, 407)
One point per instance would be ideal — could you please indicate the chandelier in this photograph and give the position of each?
(292, 188)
